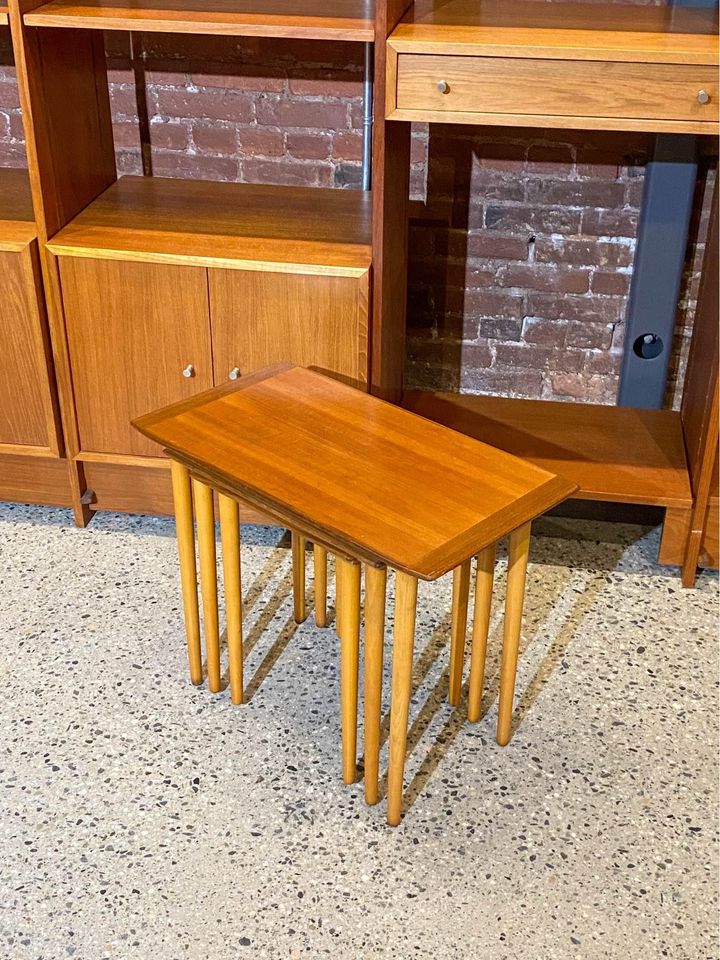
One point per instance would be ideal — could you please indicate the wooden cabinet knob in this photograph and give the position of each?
(703, 96)
(189, 371)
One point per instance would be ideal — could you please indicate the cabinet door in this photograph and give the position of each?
(26, 414)
(311, 320)
(134, 330)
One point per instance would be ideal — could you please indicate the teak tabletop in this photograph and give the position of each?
(357, 475)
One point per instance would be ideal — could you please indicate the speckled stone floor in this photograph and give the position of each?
(143, 818)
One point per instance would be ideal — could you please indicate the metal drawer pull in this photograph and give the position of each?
(443, 86)
(703, 96)
(189, 371)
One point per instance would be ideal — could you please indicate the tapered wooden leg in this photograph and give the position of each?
(320, 565)
(461, 592)
(517, 573)
(182, 496)
(298, 559)
(348, 575)
(403, 643)
(481, 625)
(205, 516)
(375, 592)
(230, 532)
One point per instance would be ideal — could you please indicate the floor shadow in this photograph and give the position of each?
(539, 608)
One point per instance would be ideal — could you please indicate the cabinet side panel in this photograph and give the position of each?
(66, 108)
(702, 369)
(391, 185)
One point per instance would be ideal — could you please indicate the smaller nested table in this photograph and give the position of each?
(374, 485)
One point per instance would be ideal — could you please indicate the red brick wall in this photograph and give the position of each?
(521, 241)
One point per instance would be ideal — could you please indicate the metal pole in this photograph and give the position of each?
(367, 117)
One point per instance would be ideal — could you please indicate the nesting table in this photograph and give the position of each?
(376, 486)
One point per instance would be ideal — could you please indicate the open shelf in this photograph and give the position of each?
(614, 454)
(301, 19)
(578, 31)
(224, 224)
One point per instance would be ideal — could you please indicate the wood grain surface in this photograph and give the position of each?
(611, 453)
(263, 318)
(556, 87)
(575, 31)
(224, 224)
(362, 477)
(149, 323)
(301, 19)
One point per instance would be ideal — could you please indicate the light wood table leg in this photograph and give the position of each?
(461, 592)
(403, 643)
(349, 631)
(481, 626)
(375, 594)
(205, 514)
(298, 560)
(320, 568)
(230, 532)
(182, 496)
(517, 574)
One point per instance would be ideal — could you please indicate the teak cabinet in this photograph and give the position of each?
(162, 332)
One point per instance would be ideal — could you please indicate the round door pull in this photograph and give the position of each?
(703, 96)
(443, 86)
(234, 374)
(189, 371)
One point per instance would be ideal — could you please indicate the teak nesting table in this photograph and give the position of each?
(374, 485)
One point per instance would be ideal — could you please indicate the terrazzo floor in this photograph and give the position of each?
(143, 818)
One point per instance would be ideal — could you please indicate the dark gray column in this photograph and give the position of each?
(659, 259)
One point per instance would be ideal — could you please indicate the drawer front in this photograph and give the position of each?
(571, 88)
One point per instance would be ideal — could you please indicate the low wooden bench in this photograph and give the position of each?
(376, 486)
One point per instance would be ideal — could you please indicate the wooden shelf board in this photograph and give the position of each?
(236, 225)
(17, 221)
(576, 31)
(614, 454)
(300, 19)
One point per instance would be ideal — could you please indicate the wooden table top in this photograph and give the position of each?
(362, 477)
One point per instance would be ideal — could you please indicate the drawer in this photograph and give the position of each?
(556, 88)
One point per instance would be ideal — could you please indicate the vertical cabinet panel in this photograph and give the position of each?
(132, 328)
(25, 392)
(313, 320)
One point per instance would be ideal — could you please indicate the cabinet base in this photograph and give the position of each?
(135, 489)
(35, 480)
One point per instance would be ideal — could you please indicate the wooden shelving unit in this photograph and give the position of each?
(160, 288)
(351, 20)
(598, 67)
(233, 225)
